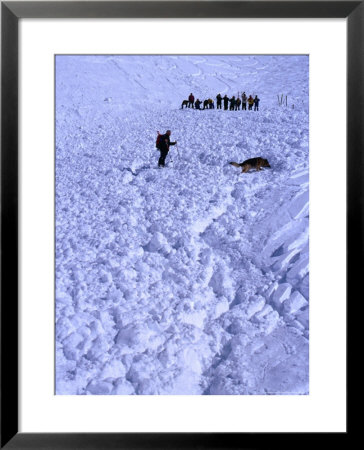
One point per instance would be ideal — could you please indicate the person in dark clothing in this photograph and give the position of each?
(256, 103)
(218, 98)
(210, 102)
(243, 101)
(226, 102)
(232, 103)
(237, 104)
(164, 145)
(205, 104)
(191, 100)
(197, 104)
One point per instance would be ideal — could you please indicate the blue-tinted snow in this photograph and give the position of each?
(192, 279)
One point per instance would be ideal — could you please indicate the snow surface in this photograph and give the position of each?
(191, 279)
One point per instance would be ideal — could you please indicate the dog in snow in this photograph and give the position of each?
(252, 163)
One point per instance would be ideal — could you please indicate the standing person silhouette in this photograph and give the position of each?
(244, 100)
(250, 103)
(226, 102)
(232, 103)
(164, 145)
(219, 99)
(191, 100)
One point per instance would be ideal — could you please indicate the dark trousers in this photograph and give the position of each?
(243, 106)
(256, 107)
(190, 104)
(225, 106)
(162, 159)
(250, 107)
(218, 105)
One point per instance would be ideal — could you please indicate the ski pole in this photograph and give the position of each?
(179, 156)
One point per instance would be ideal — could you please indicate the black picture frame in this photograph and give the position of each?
(11, 13)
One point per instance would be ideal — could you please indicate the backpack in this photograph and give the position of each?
(158, 141)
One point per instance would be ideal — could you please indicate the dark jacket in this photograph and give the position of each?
(165, 143)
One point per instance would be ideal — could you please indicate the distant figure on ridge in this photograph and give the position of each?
(226, 102)
(232, 103)
(250, 102)
(256, 103)
(237, 104)
(210, 102)
(197, 104)
(243, 101)
(218, 103)
(191, 100)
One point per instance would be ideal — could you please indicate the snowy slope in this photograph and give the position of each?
(191, 279)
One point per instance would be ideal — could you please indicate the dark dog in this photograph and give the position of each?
(252, 163)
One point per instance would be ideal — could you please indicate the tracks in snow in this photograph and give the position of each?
(178, 287)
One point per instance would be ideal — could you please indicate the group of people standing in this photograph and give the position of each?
(232, 104)
(236, 102)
